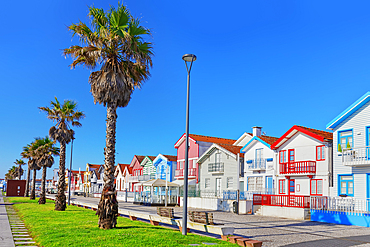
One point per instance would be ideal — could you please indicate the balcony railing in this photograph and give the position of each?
(257, 164)
(216, 167)
(298, 167)
(191, 172)
(133, 179)
(146, 177)
(282, 200)
(356, 156)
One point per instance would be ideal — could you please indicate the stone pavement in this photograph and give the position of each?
(6, 237)
(275, 231)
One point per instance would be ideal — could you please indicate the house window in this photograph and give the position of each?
(346, 185)
(255, 183)
(181, 164)
(316, 187)
(229, 182)
(207, 183)
(282, 158)
(320, 153)
(281, 186)
(291, 155)
(345, 139)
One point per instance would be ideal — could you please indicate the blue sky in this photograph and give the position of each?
(268, 63)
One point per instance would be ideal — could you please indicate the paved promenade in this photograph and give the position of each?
(6, 237)
(276, 231)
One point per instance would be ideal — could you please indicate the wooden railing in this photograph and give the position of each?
(282, 200)
(298, 167)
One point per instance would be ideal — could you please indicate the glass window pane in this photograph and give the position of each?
(313, 187)
(319, 187)
(346, 133)
(343, 187)
(346, 177)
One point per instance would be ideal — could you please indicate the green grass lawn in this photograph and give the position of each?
(79, 227)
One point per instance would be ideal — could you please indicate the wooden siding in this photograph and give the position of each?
(358, 121)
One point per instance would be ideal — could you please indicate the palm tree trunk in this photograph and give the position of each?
(19, 172)
(108, 205)
(32, 197)
(27, 182)
(60, 200)
(42, 199)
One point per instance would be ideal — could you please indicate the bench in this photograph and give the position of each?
(165, 212)
(201, 217)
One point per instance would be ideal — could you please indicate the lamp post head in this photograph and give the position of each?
(189, 58)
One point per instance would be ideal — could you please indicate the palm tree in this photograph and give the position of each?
(44, 152)
(116, 42)
(33, 166)
(20, 163)
(12, 173)
(64, 115)
(26, 154)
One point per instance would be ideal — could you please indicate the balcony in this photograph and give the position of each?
(298, 168)
(192, 172)
(216, 167)
(146, 177)
(133, 179)
(257, 164)
(356, 156)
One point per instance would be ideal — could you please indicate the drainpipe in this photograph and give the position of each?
(330, 161)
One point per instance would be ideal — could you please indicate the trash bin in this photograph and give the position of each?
(235, 207)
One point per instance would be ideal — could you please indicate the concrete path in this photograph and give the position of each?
(275, 231)
(6, 237)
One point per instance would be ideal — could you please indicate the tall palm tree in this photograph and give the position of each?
(26, 154)
(29, 152)
(64, 115)
(20, 163)
(115, 42)
(45, 150)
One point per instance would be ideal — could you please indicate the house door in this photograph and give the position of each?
(269, 185)
(368, 143)
(368, 191)
(259, 159)
(291, 186)
(218, 186)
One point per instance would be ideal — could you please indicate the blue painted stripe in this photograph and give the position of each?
(255, 138)
(350, 110)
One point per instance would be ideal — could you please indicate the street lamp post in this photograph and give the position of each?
(187, 58)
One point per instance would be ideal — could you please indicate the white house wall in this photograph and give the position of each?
(230, 170)
(358, 121)
(305, 150)
(250, 154)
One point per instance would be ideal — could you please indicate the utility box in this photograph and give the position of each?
(235, 207)
(15, 187)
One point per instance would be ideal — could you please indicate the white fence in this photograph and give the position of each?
(340, 204)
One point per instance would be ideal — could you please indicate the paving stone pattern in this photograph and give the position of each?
(19, 230)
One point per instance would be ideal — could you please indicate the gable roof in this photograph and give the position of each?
(266, 140)
(232, 150)
(319, 135)
(170, 157)
(201, 138)
(121, 167)
(151, 158)
(93, 166)
(242, 137)
(138, 158)
(349, 111)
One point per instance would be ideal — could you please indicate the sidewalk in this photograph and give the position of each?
(6, 237)
(274, 231)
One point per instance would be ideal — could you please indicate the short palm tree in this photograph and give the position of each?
(64, 115)
(115, 42)
(29, 152)
(44, 151)
(20, 163)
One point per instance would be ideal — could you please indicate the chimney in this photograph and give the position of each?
(257, 131)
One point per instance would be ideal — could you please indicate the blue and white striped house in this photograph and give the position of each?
(351, 150)
(165, 166)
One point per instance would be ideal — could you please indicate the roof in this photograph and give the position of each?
(241, 138)
(319, 135)
(170, 157)
(93, 166)
(234, 150)
(201, 138)
(122, 166)
(349, 111)
(139, 158)
(267, 140)
(159, 183)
